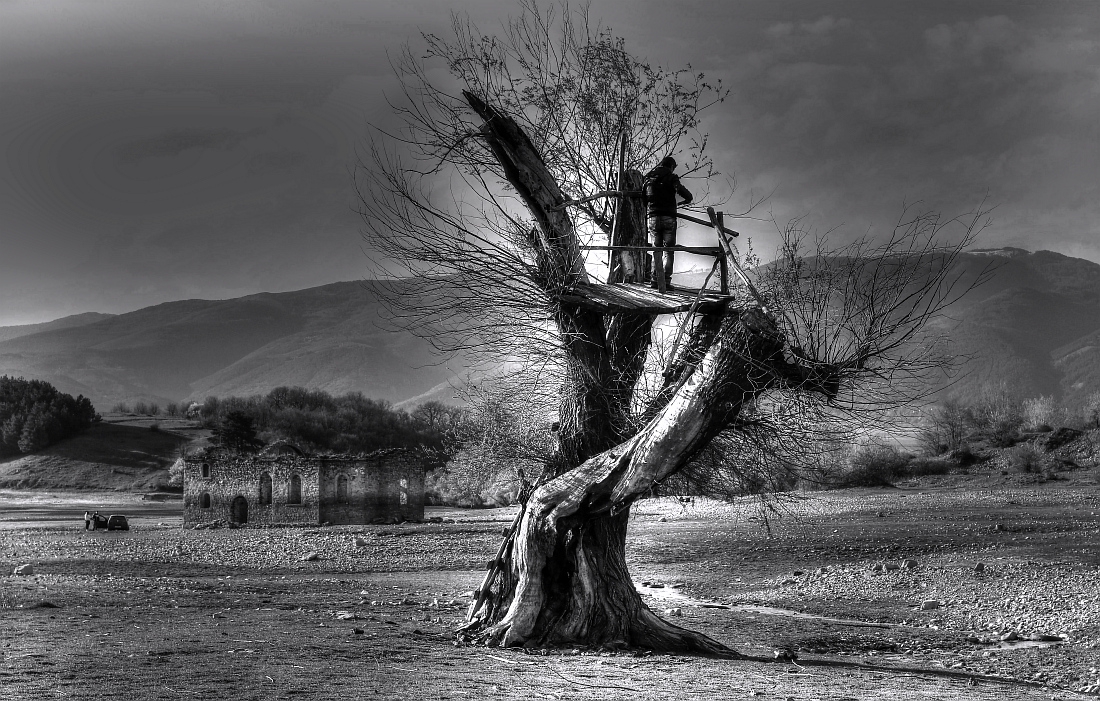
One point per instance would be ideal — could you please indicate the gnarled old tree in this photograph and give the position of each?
(525, 128)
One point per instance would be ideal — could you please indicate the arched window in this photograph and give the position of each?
(265, 488)
(204, 500)
(404, 498)
(342, 489)
(294, 492)
(206, 470)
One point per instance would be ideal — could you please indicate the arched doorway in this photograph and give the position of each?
(239, 510)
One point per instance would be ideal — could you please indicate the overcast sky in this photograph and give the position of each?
(155, 151)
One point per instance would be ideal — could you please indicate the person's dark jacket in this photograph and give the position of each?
(661, 188)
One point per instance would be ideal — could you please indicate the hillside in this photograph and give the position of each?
(10, 332)
(1035, 326)
(110, 455)
(329, 338)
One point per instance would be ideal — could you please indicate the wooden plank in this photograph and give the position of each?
(697, 250)
(715, 219)
(641, 298)
(704, 222)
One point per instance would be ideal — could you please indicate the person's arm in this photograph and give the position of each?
(683, 192)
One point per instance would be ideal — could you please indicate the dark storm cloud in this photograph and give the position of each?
(155, 150)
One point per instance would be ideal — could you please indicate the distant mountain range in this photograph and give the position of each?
(332, 337)
(1035, 327)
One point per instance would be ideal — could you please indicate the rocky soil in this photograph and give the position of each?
(848, 595)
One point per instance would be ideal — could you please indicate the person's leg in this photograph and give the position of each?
(655, 239)
(669, 241)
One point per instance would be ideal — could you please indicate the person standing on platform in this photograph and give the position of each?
(662, 186)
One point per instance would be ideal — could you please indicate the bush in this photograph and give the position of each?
(944, 429)
(964, 455)
(154, 409)
(1026, 458)
(141, 408)
(919, 467)
(1037, 413)
(172, 409)
(121, 408)
(874, 466)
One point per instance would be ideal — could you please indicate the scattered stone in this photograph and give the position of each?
(345, 616)
(311, 557)
(358, 631)
(999, 527)
(24, 570)
(43, 604)
(360, 542)
(979, 568)
(881, 514)
(1046, 638)
(1010, 637)
(892, 566)
(878, 567)
(674, 612)
(909, 564)
(929, 605)
(663, 519)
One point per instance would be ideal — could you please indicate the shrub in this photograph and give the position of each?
(1037, 413)
(944, 429)
(172, 409)
(964, 455)
(154, 427)
(121, 408)
(1091, 411)
(1026, 458)
(141, 408)
(874, 466)
(154, 409)
(919, 467)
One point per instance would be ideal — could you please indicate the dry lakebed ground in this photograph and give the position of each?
(949, 589)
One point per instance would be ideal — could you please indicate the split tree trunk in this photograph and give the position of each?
(561, 576)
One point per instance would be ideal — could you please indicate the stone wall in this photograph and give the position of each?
(383, 487)
(232, 475)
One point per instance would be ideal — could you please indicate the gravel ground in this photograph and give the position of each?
(816, 556)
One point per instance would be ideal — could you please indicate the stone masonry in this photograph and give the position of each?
(283, 485)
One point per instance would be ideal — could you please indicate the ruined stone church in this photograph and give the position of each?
(284, 485)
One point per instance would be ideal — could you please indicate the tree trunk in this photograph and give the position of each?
(564, 578)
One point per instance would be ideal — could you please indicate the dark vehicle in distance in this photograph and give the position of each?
(117, 522)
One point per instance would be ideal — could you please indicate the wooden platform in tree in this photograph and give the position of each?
(625, 297)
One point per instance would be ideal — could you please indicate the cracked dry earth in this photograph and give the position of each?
(161, 612)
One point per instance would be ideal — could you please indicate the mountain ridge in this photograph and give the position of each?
(1034, 328)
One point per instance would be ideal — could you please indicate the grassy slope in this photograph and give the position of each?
(108, 456)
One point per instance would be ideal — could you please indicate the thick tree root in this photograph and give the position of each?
(645, 632)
